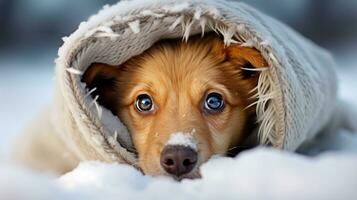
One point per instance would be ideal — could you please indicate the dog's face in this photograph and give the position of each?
(181, 102)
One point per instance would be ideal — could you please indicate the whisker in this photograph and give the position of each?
(236, 147)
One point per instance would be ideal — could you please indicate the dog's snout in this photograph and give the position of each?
(178, 160)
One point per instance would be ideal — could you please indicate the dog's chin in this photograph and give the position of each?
(194, 174)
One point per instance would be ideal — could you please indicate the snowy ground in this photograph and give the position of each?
(257, 174)
(27, 79)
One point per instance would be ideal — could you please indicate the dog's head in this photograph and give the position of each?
(181, 101)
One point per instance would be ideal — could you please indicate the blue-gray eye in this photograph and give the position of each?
(214, 102)
(144, 103)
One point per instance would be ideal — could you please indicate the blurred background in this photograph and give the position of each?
(31, 32)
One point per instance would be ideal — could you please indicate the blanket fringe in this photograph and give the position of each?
(90, 92)
(134, 26)
(97, 106)
(74, 71)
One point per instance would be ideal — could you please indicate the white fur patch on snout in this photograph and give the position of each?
(183, 139)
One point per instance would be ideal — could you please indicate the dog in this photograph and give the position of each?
(182, 101)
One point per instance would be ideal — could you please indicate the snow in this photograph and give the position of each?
(257, 174)
(18, 84)
(328, 171)
(177, 8)
(184, 139)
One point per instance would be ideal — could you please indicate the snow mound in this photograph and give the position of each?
(257, 174)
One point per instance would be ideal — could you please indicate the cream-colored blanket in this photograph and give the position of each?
(296, 96)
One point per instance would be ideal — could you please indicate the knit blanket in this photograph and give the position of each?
(296, 96)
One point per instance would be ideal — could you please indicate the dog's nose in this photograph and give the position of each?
(178, 160)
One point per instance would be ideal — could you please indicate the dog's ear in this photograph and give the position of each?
(248, 60)
(102, 79)
(99, 75)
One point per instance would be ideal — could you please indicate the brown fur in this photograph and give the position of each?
(177, 76)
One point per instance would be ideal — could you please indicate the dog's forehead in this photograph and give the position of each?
(184, 82)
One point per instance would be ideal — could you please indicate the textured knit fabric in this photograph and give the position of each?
(296, 95)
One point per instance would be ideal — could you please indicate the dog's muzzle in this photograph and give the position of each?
(179, 156)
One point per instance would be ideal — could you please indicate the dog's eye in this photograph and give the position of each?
(214, 102)
(144, 103)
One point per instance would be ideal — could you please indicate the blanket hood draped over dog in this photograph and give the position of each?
(296, 95)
